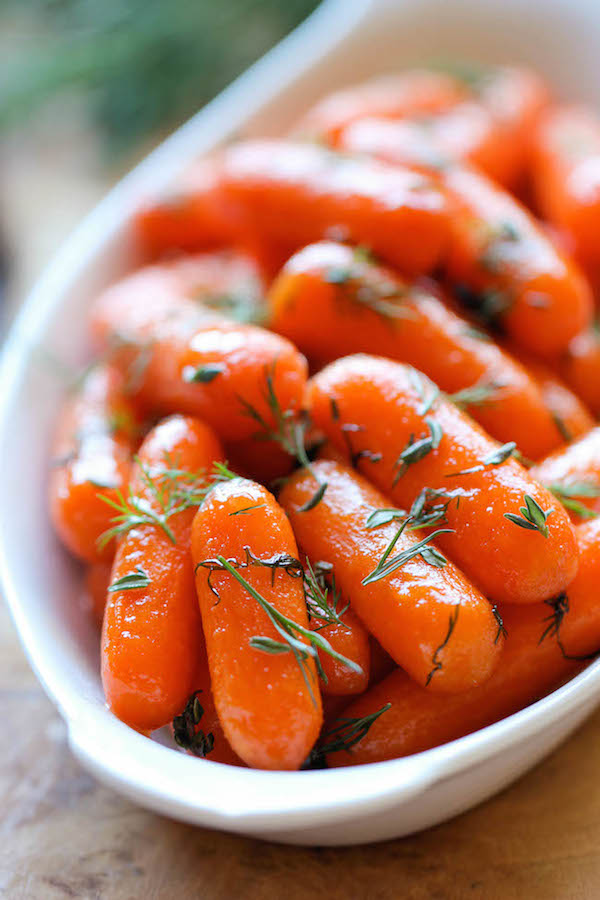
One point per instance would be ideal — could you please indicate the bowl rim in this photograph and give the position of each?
(215, 794)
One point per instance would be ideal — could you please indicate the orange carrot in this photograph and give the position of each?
(97, 579)
(248, 576)
(92, 453)
(152, 634)
(573, 475)
(405, 437)
(424, 612)
(545, 645)
(293, 194)
(331, 302)
(566, 175)
(579, 366)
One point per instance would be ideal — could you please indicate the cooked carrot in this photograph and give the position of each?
(92, 451)
(573, 475)
(260, 459)
(98, 576)
(152, 634)
(404, 438)
(395, 96)
(545, 645)
(183, 357)
(382, 663)
(565, 170)
(508, 269)
(425, 613)
(331, 616)
(264, 684)
(331, 302)
(197, 729)
(570, 417)
(293, 194)
(579, 366)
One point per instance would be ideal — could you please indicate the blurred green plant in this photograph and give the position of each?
(140, 65)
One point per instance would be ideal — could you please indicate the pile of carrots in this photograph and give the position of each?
(335, 472)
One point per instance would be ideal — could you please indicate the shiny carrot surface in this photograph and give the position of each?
(573, 475)
(426, 614)
(98, 577)
(404, 437)
(95, 438)
(331, 301)
(579, 366)
(545, 644)
(267, 699)
(152, 634)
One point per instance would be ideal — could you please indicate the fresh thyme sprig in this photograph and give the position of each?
(560, 608)
(131, 582)
(570, 496)
(423, 513)
(437, 663)
(346, 733)
(389, 564)
(290, 632)
(381, 296)
(185, 729)
(202, 374)
(289, 432)
(323, 599)
(480, 394)
(532, 517)
(170, 491)
(416, 450)
(495, 458)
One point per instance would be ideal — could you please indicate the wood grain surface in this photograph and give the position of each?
(62, 835)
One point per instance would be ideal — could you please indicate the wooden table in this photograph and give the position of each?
(63, 835)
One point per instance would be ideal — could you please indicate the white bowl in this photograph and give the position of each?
(343, 41)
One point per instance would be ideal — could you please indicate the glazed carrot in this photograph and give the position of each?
(96, 582)
(331, 302)
(566, 179)
(152, 634)
(265, 689)
(331, 616)
(509, 271)
(197, 729)
(92, 453)
(570, 416)
(545, 645)
(382, 663)
(296, 193)
(395, 96)
(579, 366)
(573, 475)
(185, 358)
(405, 437)
(425, 613)
(260, 459)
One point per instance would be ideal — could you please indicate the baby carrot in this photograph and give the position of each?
(92, 453)
(250, 587)
(573, 475)
(331, 301)
(509, 535)
(415, 91)
(293, 194)
(421, 608)
(197, 729)
(509, 271)
(579, 366)
(545, 645)
(182, 357)
(96, 582)
(152, 634)
(565, 170)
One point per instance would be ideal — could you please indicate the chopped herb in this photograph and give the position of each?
(381, 517)
(570, 496)
(322, 600)
(561, 427)
(416, 450)
(502, 632)
(202, 374)
(496, 458)
(437, 663)
(477, 395)
(131, 582)
(560, 608)
(345, 733)
(185, 729)
(387, 565)
(246, 510)
(532, 516)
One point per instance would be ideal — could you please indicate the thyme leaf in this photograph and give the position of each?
(246, 510)
(532, 517)
(560, 608)
(479, 394)
(437, 663)
(571, 494)
(495, 458)
(416, 450)
(389, 564)
(322, 599)
(131, 582)
(202, 374)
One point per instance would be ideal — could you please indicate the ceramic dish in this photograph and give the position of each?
(343, 41)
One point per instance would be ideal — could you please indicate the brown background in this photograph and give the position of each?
(63, 835)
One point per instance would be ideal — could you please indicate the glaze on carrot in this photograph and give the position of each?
(268, 702)
(427, 616)
(331, 301)
(573, 475)
(404, 437)
(545, 645)
(95, 438)
(152, 634)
